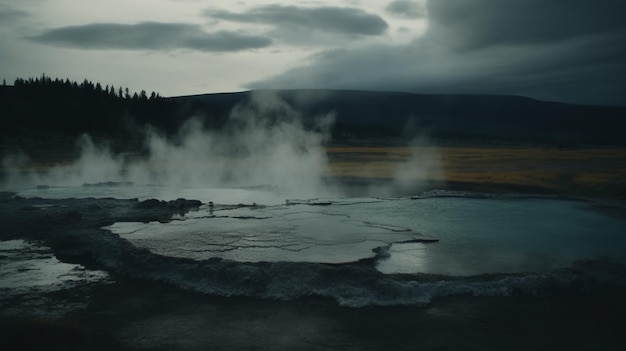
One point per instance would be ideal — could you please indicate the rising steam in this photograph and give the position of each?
(421, 168)
(263, 144)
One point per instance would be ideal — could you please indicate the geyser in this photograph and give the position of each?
(264, 143)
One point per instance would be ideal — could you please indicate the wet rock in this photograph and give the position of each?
(382, 251)
(29, 209)
(418, 240)
(184, 204)
(150, 203)
(320, 203)
(108, 184)
(178, 204)
(73, 217)
(94, 207)
(6, 195)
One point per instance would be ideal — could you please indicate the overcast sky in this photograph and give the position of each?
(562, 50)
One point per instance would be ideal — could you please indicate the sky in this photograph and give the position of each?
(558, 50)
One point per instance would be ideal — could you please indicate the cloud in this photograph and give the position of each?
(479, 23)
(7, 13)
(149, 36)
(406, 8)
(339, 20)
(567, 50)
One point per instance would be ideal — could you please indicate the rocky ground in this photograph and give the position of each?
(129, 313)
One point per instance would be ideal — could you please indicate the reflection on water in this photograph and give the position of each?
(493, 235)
(300, 232)
(476, 235)
(28, 266)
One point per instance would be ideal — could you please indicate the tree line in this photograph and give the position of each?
(46, 106)
(86, 85)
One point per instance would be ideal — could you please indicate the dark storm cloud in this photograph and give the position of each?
(564, 50)
(406, 8)
(479, 23)
(149, 36)
(8, 13)
(344, 20)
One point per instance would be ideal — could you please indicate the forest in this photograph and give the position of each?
(72, 108)
(42, 113)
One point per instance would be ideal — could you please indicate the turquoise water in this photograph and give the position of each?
(493, 235)
(475, 235)
(309, 247)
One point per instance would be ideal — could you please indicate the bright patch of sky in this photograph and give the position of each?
(166, 45)
(562, 50)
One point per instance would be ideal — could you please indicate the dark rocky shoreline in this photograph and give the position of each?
(136, 315)
(131, 313)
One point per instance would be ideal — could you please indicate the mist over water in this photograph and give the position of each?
(268, 146)
(263, 144)
(266, 143)
(422, 167)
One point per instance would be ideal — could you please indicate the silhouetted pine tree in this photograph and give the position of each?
(61, 106)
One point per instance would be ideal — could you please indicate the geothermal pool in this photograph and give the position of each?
(437, 233)
(474, 235)
(359, 251)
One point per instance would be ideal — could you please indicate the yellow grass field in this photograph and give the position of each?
(588, 172)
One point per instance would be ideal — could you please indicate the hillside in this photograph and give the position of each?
(511, 118)
(48, 114)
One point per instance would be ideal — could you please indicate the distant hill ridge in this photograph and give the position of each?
(59, 109)
(500, 117)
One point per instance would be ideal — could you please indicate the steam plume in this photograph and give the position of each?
(264, 143)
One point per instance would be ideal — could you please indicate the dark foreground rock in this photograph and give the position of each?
(35, 218)
(178, 204)
(137, 314)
